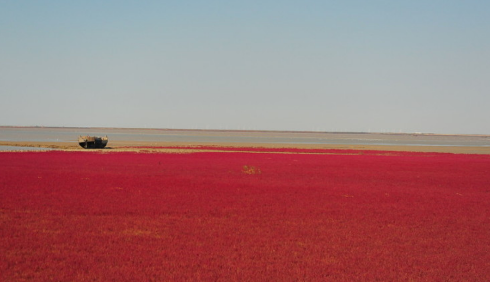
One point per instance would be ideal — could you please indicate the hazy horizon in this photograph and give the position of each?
(238, 130)
(325, 66)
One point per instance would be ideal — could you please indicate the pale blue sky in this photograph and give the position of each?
(410, 66)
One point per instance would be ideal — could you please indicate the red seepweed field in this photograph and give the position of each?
(256, 215)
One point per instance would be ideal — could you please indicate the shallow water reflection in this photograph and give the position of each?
(35, 134)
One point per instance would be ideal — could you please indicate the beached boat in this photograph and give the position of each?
(92, 142)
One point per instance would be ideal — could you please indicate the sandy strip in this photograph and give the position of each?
(180, 147)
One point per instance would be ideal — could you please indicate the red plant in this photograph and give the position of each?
(78, 216)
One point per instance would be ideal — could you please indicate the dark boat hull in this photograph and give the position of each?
(92, 142)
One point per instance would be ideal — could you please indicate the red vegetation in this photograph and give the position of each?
(83, 216)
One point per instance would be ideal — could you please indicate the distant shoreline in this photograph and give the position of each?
(132, 139)
(244, 130)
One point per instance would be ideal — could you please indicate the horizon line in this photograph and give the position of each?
(249, 130)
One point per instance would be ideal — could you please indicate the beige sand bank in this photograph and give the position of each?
(115, 146)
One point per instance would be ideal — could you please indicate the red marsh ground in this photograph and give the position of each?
(255, 215)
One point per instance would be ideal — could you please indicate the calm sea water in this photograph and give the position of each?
(215, 136)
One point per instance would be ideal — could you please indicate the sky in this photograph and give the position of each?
(353, 66)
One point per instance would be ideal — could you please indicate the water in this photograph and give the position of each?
(38, 134)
